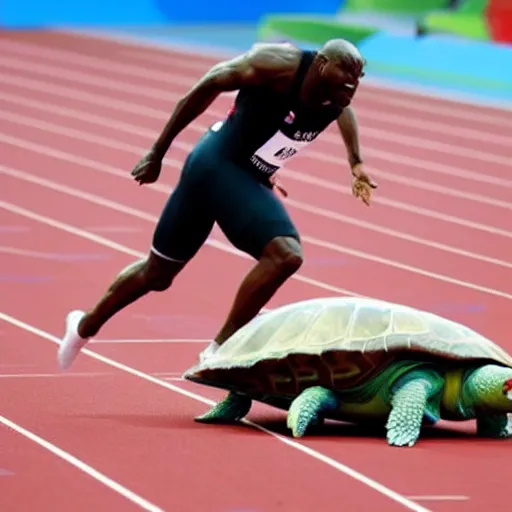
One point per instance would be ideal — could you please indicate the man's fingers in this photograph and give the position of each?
(362, 191)
(365, 196)
(362, 187)
(369, 181)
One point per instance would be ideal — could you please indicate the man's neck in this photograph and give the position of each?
(311, 90)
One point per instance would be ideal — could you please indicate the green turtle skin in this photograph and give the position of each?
(362, 361)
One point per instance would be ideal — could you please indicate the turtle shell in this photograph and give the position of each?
(337, 342)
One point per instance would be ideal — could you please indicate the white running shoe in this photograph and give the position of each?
(72, 343)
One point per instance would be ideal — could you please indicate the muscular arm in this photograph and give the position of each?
(261, 64)
(347, 124)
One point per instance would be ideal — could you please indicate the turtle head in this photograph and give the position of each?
(490, 387)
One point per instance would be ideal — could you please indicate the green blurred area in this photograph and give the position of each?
(311, 30)
(467, 20)
(394, 6)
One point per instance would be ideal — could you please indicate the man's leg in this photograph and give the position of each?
(133, 282)
(256, 222)
(281, 258)
(152, 274)
(182, 229)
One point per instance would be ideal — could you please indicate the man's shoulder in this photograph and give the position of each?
(264, 64)
(282, 55)
(275, 59)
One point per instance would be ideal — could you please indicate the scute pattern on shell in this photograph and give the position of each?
(317, 325)
(336, 333)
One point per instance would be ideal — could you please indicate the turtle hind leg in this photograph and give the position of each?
(409, 401)
(308, 407)
(494, 426)
(233, 408)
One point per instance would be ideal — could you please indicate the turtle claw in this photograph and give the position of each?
(307, 408)
(403, 430)
(397, 437)
(409, 403)
(299, 421)
(232, 409)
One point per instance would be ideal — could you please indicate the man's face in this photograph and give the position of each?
(340, 81)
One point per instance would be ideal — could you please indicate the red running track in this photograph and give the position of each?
(116, 432)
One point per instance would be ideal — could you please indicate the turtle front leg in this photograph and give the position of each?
(233, 408)
(494, 426)
(409, 400)
(308, 407)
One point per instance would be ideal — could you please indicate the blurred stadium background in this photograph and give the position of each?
(457, 46)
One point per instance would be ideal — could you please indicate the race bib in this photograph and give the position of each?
(280, 148)
(284, 145)
(277, 150)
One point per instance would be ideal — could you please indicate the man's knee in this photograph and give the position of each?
(285, 254)
(159, 273)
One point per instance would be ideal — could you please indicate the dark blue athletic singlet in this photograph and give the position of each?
(225, 179)
(265, 128)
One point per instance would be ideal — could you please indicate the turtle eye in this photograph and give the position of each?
(507, 389)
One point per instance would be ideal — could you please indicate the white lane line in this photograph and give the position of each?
(167, 374)
(376, 486)
(439, 497)
(82, 466)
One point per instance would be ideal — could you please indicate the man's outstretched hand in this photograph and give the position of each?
(362, 184)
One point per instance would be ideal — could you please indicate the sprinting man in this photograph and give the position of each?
(287, 97)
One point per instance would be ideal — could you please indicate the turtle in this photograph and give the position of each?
(361, 360)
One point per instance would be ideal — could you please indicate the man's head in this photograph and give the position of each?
(340, 67)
